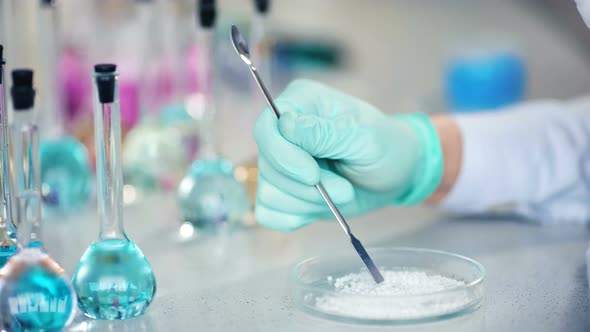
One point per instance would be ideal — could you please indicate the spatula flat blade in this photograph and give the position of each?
(369, 264)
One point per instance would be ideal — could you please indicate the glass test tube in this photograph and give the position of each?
(7, 224)
(107, 137)
(25, 140)
(206, 75)
(262, 45)
(51, 113)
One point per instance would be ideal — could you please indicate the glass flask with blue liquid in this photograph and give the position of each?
(35, 293)
(210, 197)
(113, 279)
(65, 165)
(7, 229)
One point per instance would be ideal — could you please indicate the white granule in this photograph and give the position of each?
(358, 296)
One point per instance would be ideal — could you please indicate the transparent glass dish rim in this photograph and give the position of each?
(476, 282)
(317, 266)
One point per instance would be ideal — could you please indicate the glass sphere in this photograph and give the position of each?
(154, 157)
(114, 280)
(211, 198)
(35, 295)
(65, 173)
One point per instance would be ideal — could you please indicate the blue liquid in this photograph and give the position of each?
(36, 300)
(5, 253)
(65, 173)
(211, 198)
(114, 280)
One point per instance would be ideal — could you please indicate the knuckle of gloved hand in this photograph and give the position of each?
(301, 84)
(264, 195)
(274, 221)
(261, 129)
(282, 226)
(304, 87)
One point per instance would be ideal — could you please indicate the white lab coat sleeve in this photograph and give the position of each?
(532, 159)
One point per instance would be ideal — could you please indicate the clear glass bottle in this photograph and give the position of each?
(7, 230)
(35, 293)
(65, 166)
(113, 279)
(210, 197)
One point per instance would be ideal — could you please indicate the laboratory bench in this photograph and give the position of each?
(536, 275)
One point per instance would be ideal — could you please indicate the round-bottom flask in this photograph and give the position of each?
(35, 294)
(7, 246)
(65, 173)
(211, 198)
(114, 280)
(153, 156)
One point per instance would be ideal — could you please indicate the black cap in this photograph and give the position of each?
(48, 3)
(105, 68)
(23, 94)
(206, 13)
(1, 61)
(105, 83)
(262, 6)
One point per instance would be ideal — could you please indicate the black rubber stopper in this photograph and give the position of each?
(1, 61)
(262, 6)
(105, 83)
(206, 13)
(105, 68)
(23, 94)
(47, 2)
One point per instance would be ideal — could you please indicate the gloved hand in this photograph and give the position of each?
(365, 159)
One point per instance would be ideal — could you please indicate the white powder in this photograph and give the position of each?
(394, 299)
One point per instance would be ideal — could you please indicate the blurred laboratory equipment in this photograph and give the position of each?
(65, 166)
(484, 80)
(158, 150)
(488, 74)
(241, 48)
(210, 197)
(261, 42)
(113, 279)
(7, 230)
(35, 294)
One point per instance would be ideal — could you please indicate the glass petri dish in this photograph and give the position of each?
(315, 291)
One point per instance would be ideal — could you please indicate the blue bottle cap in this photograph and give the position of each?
(485, 82)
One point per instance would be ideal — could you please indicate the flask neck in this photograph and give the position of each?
(206, 76)
(27, 186)
(109, 175)
(6, 209)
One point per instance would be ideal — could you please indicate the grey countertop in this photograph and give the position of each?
(536, 275)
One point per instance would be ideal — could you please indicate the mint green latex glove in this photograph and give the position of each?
(364, 158)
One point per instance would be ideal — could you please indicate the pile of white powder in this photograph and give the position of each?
(392, 299)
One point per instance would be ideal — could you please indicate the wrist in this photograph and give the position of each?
(451, 142)
(429, 166)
